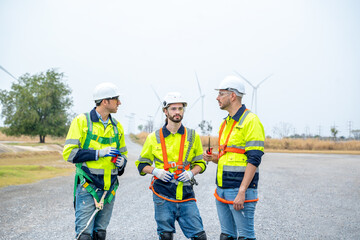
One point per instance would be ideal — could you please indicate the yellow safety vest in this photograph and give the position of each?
(235, 139)
(192, 154)
(86, 134)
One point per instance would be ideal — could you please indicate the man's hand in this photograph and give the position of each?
(108, 152)
(239, 201)
(185, 176)
(213, 157)
(120, 161)
(163, 175)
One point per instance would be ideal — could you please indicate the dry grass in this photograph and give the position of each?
(285, 145)
(28, 139)
(27, 167)
(139, 138)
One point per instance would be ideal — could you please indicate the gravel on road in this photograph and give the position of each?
(302, 196)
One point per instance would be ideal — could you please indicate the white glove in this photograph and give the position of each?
(185, 176)
(120, 161)
(108, 152)
(163, 175)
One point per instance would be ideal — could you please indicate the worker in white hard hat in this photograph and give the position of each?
(95, 143)
(176, 152)
(241, 146)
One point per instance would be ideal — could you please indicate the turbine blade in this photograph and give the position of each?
(197, 79)
(156, 94)
(192, 105)
(157, 111)
(244, 79)
(8, 72)
(264, 80)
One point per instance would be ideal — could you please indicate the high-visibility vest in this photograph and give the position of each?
(174, 153)
(235, 138)
(85, 134)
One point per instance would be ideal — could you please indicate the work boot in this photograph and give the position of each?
(99, 235)
(85, 236)
(166, 236)
(224, 236)
(200, 236)
(244, 238)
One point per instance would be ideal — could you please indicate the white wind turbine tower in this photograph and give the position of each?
(255, 88)
(200, 97)
(160, 105)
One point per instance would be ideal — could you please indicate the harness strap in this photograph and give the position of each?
(231, 202)
(179, 163)
(81, 176)
(167, 199)
(223, 148)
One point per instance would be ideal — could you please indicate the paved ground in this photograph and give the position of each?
(302, 196)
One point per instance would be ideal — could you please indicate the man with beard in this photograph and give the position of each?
(177, 153)
(95, 143)
(241, 146)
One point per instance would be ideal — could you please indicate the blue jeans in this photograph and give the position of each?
(236, 223)
(85, 207)
(186, 213)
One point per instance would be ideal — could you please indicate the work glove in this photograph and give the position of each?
(185, 176)
(120, 161)
(163, 175)
(108, 152)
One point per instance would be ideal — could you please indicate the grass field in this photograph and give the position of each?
(31, 140)
(27, 167)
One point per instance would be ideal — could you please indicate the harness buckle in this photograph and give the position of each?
(173, 164)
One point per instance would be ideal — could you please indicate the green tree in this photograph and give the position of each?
(37, 105)
(334, 132)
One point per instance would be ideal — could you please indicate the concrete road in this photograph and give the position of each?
(302, 196)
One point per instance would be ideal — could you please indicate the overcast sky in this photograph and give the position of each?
(310, 46)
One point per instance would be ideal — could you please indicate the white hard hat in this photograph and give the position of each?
(105, 90)
(232, 83)
(173, 97)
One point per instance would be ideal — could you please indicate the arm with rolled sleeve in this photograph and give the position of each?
(72, 151)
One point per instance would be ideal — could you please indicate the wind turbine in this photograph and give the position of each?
(2, 68)
(160, 104)
(131, 125)
(200, 97)
(255, 88)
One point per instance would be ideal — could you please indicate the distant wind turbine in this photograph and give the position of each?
(201, 96)
(2, 68)
(160, 104)
(255, 88)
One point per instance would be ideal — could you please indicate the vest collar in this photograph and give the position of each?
(166, 132)
(238, 114)
(94, 117)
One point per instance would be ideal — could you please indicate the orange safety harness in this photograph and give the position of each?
(222, 150)
(230, 202)
(167, 165)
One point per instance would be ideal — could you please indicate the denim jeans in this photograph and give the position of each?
(186, 213)
(85, 207)
(236, 223)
